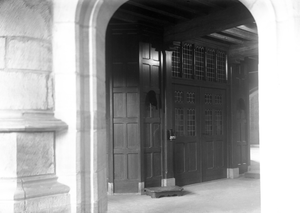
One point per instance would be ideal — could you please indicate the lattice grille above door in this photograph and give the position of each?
(196, 62)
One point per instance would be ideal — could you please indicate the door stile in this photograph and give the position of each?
(109, 122)
(229, 144)
(141, 122)
(168, 100)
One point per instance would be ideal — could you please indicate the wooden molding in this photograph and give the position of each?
(246, 49)
(237, 32)
(162, 12)
(205, 25)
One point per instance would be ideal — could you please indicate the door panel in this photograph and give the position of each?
(213, 133)
(187, 167)
(193, 156)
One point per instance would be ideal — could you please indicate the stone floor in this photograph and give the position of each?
(241, 195)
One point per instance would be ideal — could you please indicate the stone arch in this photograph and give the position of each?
(81, 151)
(91, 21)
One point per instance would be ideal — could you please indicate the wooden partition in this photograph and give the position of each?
(135, 118)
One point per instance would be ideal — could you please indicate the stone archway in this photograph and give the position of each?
(94, 17)
(80, 100)
(88, 86)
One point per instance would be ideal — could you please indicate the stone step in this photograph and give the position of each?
(157, 192)
(252, 174)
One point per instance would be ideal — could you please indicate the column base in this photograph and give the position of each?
(52, 203)
(33, 194)
(168, 182)
(233, 173)
(110, 188)
(141, 187)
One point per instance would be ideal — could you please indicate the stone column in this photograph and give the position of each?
(27, 125)
(27, 173)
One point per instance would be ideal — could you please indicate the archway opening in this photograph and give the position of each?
(106, 11)
(206, 58)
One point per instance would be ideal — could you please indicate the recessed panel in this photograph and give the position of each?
(210, 154)
(126, 186)
(132, 107)
(119, 136)
(119, 167)
(119, 105)
(133, 166)
(132, 134)
(179, 157)
(146, 75)
(219, 154)
(147, 136)
(155, 76)
(192, 156)
(156, 135)
(156, 164)
(148, 165)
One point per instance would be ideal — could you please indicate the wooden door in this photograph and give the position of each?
(125, 160)
(240, 109)
(213, 133)
(152, 115)
(187, 167)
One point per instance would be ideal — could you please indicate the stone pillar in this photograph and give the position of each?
(27, 125)
(27, 174)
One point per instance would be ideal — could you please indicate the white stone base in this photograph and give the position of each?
(233, 173)
(110, 188)
(33, 194)
(27, 173)
(168, 182)
(141, 187)
(53, 203)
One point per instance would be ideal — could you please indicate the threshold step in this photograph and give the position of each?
(157, 192)
(255, 175)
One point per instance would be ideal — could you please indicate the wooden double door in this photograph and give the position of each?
(199, 116)
(135, 145)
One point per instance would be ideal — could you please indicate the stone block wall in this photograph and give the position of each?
(26, 55)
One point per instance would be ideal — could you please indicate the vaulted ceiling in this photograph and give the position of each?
(223, 22)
